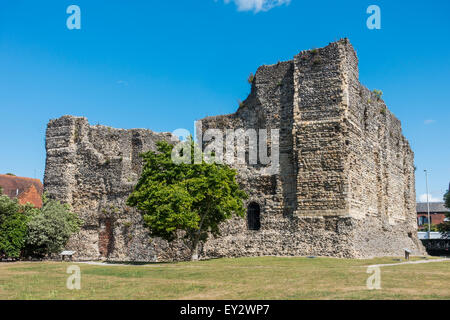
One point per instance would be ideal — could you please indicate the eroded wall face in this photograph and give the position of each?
(348, 170)
(94, 169)
(322, 184)
(269, 106)
(344, 186)
(380, 166)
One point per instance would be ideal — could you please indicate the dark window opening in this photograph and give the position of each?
(254, 216)
(424, 220)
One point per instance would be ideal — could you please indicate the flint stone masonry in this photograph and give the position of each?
(345, 186)
(94, 169)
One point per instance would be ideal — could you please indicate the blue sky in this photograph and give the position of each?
(163, 64)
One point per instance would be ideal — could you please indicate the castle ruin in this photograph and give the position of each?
(345, 185)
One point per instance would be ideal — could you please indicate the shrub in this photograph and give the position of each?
(378, 94)
(445, 226)
(13, 227)
(50, 229)
(317, 60)
(250, 78)
(424, 228)
(127, 224)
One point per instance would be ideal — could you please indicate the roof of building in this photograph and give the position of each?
(434, 207)
(25, 189)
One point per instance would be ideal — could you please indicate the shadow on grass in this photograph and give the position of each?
(143, 263)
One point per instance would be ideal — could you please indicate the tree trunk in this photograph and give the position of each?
(195, 241)
(194, 252)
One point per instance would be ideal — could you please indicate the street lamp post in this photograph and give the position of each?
(428, 205)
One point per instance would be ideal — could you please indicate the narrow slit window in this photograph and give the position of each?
(254, 216)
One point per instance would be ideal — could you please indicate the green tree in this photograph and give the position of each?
(447, 199)
(433, 228)
(13, 226)
(50, 228)
(445, 226)
(189, 200)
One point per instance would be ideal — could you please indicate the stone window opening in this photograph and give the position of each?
(254, 216)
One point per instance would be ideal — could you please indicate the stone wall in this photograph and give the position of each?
(94, 169)
(344, 187)
(346, 181)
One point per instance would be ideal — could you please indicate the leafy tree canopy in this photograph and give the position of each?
(445, 226)
(50, 228)
(447, 199)
(191, 198)
(13, 226)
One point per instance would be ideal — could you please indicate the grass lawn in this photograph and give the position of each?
(242, 278)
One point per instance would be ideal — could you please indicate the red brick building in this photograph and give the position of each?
(437, 213)
(26, 190)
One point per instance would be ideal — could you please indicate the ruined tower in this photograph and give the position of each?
(345, 185)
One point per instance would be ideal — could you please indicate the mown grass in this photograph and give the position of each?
(242, 278)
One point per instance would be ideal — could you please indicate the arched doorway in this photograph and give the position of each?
(253, 216)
